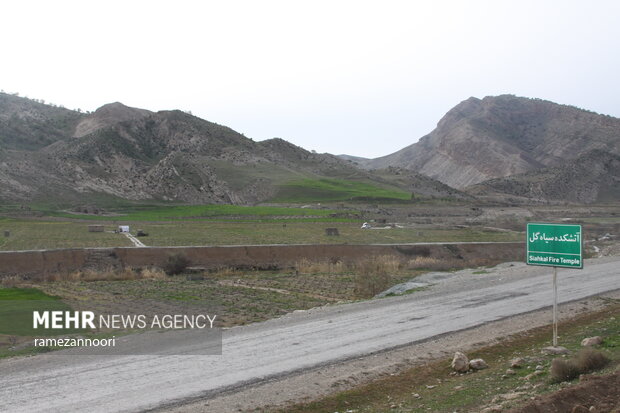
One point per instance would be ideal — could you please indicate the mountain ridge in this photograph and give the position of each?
(498, 136)
(135, 154)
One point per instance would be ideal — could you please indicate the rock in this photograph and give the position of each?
(510, 372)
(478, 364)
(580, 409)
(517, 362)
(592, 341)
(539, 367)
(510, 396)
(460, 362)
(534, 374)
(555, 350)
(430, 386)
(492, 409)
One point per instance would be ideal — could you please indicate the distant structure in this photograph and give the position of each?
(332, 232)
(95, 228)
(123, 228)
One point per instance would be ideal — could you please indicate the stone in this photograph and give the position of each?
(511, 396)
(478, 364)
(510, 372)
(557, 350)
(492, 409)
(580, 409)
(591, 341)
(460, 362)
(539, 367)
(517, 362)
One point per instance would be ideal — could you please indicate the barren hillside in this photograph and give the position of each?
(50, 153)
(501, 136)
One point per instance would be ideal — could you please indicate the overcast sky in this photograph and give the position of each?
(362, 78)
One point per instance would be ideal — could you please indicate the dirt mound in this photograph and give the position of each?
(602, 392)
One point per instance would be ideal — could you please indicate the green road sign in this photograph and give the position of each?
(554, 245)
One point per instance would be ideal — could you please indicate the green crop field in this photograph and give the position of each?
(180, 212)
(31, 234)
(17, 305)
(312, 190)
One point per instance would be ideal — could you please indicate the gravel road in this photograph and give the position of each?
(251, 354)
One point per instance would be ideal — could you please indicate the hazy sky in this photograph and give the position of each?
(355, 77)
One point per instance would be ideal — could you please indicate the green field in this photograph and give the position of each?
(182, 212)
(27, 234)
(33, 235)
(17, 305)
(324, 190)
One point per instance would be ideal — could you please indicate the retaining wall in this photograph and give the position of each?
(256, 256)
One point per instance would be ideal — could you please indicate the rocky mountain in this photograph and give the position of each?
(27, 124)
(482, 139)
(49, 153)
(593, 177)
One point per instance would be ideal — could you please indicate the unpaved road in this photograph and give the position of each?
(57, 383)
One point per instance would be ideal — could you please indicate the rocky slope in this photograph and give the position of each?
(49, 153)
(501, 136)
(593, 177)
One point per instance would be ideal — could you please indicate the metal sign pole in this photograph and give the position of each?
(555, 306)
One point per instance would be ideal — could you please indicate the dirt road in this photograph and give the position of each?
(253, 353)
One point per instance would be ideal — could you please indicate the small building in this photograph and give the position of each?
(95, 228)
(123, 228)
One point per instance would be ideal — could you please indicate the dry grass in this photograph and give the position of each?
(376, 264)
(423, 262)
(373, 275)
(305, 266)
(435, 264)
(223, 272)
(110, 274)
(117, 275)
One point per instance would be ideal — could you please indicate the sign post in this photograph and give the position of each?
(554, 245)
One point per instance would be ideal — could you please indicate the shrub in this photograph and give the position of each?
(590, 360)
(564, 370)
(176, 264)
(372, 276)
(587, 360)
